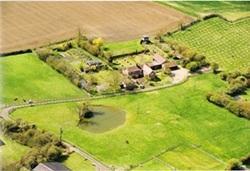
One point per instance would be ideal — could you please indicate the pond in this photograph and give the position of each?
(105, 118)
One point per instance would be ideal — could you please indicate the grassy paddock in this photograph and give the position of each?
(230, 10)
(11, 152)
(76, 163)
(119, 48)
(26, 77)
(155, 121)
(220, 41)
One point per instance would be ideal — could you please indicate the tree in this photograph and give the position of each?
(114, 80)
(215, 68)
(53, 153)
(192, 66)
(98, 42)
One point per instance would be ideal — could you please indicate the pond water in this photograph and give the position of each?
(105, 119)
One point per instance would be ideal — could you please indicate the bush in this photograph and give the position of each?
(239, 108)
(193, 66)
(44, 53)
(234, 164)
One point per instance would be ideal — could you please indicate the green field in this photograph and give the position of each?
(26, 77)
(220, 41)
(157, 121)
(11, 152)
(119, 48)
(230, 10)
(76, 163)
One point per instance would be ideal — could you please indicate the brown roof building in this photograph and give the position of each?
(134, 72)
(171, 65)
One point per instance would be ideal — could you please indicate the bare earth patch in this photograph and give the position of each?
(31, 24)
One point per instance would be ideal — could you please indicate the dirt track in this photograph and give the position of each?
(31, 24)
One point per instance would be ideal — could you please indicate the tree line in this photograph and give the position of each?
(238, 83)
(45, 146)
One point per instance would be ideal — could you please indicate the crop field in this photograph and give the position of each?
(31, 24)
(220, 41)
(26, 77)
(230, 10)
(160, 126)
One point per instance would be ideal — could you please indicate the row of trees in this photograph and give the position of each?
(59, 64)
(239, 108)
(238, 82)
(44, 146)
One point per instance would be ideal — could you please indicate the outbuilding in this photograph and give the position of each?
(51, 166)
(134, 72)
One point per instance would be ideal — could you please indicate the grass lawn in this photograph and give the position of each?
(119, 48)
(156, 121)
(27, 77)
(230, 10)
(220, 41)
(11, 152)
(76, 163)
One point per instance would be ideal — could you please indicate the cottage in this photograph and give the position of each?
(172, 65)
(51, 166)
(134, 72)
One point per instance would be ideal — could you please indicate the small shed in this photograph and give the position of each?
(172, 65)
(155, 65)
(94, 63)
(51, 166)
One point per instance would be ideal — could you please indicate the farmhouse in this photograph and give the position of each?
(51, 166)
(134, 72)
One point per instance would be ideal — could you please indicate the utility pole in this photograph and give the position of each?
(61, 132)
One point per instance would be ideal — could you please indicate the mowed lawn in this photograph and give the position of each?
(230, 10)
(220, 41)
(26, 77)
(169, 120)
(124, 47)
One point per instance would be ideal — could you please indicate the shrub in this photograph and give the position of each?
(193, 66)
(234, 164)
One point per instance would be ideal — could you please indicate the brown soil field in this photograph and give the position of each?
(26, 25)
